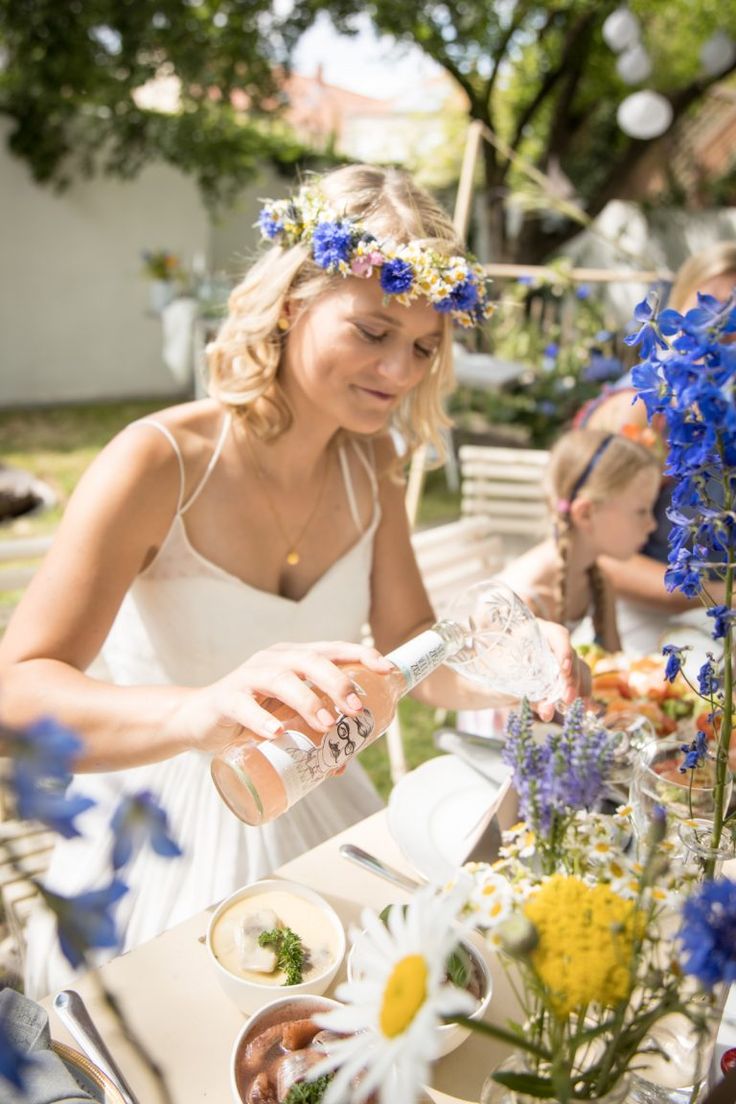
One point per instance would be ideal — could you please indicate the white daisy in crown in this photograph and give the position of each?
(399, 997)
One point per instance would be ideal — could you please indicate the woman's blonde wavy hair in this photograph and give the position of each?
(244, 359)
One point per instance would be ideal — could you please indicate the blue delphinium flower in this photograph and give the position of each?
(396, 276)
(722, 620)
(138, 818)
(270, 227)
(674, 661)
(331, 243)
(43, 756)
(647, 337)
(696, 753)
(708, 933)
(85, 921)
(708, 681)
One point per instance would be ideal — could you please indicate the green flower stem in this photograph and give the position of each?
(724, 738)
(518, 1041)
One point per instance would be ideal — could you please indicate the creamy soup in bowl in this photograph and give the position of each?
(274, 936)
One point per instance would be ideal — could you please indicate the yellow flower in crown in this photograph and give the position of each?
(342, 245)
(586, 940)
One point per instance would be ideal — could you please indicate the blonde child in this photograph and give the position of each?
(601, 488)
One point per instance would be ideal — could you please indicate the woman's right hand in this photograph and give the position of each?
(214, 716)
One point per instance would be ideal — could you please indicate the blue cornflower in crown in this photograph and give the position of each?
(454, 285)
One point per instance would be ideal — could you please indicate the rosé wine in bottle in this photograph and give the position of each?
(260, 779)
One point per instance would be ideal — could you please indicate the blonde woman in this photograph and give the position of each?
(648, 612)
(200, 540)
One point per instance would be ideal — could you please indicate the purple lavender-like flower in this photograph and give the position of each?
(708, 933)
(397, 276)
(138, 818)
(708, 681)
(331, 243)
(562, 775)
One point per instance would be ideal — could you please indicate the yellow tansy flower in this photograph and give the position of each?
(586, 936)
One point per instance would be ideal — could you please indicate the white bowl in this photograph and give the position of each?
(451, 1034)
(251, 995)
(305, 1005)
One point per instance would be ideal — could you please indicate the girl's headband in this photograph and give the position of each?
(564, 504)
(453, 285)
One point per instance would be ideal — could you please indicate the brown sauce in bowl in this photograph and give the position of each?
(279, 1053)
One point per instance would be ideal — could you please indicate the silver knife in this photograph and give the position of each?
(377, 866)
(73, 1013)
(482, 753)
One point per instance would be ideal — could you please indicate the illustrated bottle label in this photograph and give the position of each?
(419, 657)
(302, 765)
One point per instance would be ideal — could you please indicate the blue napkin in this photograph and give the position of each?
(47, 1081)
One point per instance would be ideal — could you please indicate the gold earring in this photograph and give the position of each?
(283, 323)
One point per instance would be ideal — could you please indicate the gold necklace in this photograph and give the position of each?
(292, 546)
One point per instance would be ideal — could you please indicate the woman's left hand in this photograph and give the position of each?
(575, 673)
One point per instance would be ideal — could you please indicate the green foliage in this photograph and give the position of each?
(308, 1092)
(541, 77)
(570, 349)
(289, 952)
(71, 70)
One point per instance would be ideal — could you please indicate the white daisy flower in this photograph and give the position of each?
(398, 999)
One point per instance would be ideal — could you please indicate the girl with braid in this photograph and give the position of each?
(602, 488)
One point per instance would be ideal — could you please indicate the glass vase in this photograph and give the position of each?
(658, 781)
(697, 851)
(494, 1093)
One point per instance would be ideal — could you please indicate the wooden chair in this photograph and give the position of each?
(506, 485)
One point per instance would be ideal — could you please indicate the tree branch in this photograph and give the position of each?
(520, 14)
(574, 35)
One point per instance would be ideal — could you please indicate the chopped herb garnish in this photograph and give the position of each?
(308, 1092)
(289, 952)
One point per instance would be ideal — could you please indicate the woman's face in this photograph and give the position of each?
(350, 358)
(620, 525)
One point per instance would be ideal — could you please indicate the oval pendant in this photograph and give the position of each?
(292, 558)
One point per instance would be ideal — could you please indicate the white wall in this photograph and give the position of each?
(73, 302)
(233, 238)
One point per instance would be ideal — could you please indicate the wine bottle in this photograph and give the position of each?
(260, 779)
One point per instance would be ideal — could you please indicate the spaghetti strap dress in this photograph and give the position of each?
(186, 621)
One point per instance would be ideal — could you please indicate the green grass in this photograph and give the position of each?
(57, 444)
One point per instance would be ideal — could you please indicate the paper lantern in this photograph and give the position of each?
(621, 29)
(633, 65)
(717, 54)
(644, 114)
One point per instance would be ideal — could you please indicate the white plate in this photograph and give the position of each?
(433, 811)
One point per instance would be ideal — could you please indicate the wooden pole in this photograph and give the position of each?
(460, 220)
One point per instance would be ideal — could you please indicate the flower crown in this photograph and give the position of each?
(453, 285)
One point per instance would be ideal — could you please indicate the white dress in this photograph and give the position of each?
(188, 622)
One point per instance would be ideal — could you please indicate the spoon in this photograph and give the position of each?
(73, 1013)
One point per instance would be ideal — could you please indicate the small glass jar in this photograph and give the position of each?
(697, 847)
